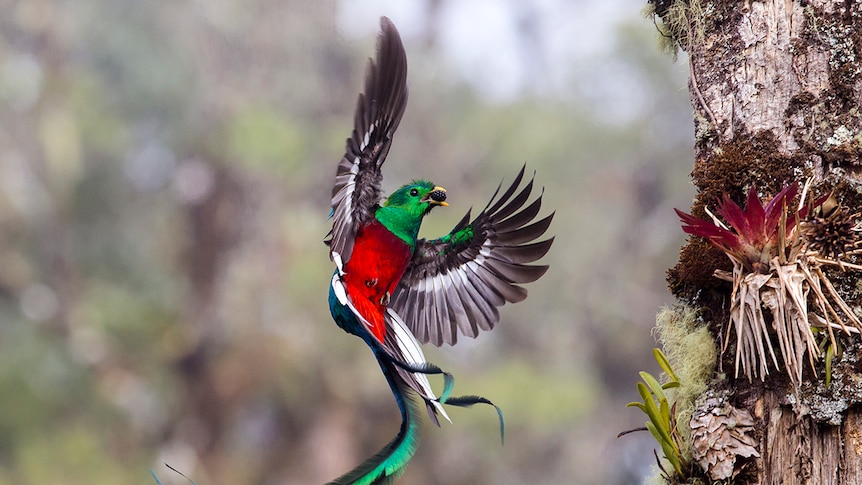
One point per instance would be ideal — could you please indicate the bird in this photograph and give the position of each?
(393, 289)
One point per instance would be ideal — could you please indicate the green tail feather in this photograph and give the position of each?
(446, 396)
(384, 467)
(467, 401)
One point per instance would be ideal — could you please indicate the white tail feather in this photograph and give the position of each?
(414, 355)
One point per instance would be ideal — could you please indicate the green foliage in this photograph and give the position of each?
(662, 416)
(688, 362)
(831, 350)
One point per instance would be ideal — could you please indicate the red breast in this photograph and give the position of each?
(378, 261)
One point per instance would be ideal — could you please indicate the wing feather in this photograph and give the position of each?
(357, 189)
(515, 204)
(528, 214)
(525, 253)
(526, 234)
(505, 197)
(441, 307)
(458, 313)
(454, 284)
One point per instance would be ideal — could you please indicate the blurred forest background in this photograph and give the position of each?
(165, 173)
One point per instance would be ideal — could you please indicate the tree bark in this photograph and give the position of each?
(776, 90)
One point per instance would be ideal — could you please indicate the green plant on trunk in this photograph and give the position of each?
(662, 415)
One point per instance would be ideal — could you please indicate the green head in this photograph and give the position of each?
(417, 198)
(403, 211)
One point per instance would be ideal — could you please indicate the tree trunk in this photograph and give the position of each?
(776, 90)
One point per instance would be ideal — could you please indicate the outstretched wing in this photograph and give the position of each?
(454, 284)
(357, 188)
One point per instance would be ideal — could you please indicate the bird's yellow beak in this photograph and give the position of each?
(438, 196)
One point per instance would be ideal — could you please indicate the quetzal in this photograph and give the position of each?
(390, 288)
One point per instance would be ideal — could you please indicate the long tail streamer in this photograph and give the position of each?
(385, 466)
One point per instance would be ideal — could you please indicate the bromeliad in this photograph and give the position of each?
(778, 254)
(390, 288)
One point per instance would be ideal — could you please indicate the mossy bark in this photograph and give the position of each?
(776, 88)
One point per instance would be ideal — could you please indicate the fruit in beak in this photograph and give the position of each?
(438, 196)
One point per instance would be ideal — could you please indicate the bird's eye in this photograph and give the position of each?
(414, 192)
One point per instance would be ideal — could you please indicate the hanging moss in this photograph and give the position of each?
(680, 23)
(692, 353)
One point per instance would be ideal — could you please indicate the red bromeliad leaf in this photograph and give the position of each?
(720, 237)
(756, 217)
(753, 240)
(738, 219)
(777, 206)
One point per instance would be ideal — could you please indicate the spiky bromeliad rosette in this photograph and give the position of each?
(778, 256)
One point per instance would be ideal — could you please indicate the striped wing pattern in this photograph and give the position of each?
(379, 109)
(454, 284)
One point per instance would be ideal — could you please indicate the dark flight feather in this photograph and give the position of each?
(357, 190)
(455, 283)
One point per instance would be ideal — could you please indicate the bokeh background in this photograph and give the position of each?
(165, 172)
